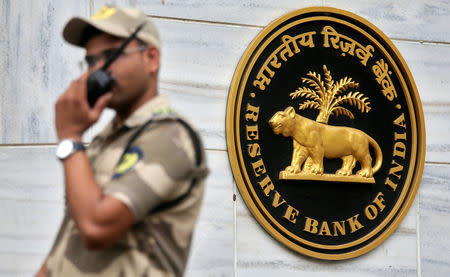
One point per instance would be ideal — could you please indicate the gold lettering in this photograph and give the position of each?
(381, 71)
(379, 201)
(267, 185)
(388, 89)
(364, 53)
(311, 225)
(262, 79)
(399, 149)
(339, 226)
(355, 225)
(254, 150)
(329, 31)
(400, 121)
(258, 168)
(399, 136)
(396, 169)
(371, 212)
(276, 200)
(274, 60)
(291, 213)
(391, 184)
(348, 47)
(252, 132)
(252, 113)
(309, 42)
(287, 48)
(324, 229)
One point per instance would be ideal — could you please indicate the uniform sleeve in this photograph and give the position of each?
(156, 169)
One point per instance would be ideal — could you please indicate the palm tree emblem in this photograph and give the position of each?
(328, 96)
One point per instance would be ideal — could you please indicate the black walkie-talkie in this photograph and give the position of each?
(101, 81)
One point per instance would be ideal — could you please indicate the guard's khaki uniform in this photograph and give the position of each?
(159, 167)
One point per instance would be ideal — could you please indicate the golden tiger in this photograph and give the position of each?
(314, 141)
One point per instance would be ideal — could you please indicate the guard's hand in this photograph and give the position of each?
(73, 115)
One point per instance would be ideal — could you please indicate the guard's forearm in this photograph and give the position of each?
(101, 220)
(82, 192)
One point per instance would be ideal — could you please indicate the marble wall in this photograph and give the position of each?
(202, 44)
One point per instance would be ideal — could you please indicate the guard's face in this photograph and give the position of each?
(133, 71)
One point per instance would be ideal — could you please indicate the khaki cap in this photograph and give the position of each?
(113, 20)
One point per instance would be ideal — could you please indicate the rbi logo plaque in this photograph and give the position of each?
(325, 133)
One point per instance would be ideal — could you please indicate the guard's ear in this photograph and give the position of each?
(151, 56)
(290, 111)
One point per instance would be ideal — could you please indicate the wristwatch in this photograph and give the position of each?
(67, 147)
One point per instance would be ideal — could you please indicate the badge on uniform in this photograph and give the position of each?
(128, 160)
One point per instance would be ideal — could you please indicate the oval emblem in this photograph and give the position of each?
(325, 133)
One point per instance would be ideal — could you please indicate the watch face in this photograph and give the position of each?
(64, 148)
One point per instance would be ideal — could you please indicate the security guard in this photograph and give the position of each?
(132, 198)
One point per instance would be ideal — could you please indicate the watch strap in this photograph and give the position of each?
(78, 146)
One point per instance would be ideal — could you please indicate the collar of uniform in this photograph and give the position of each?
(148, 110)
(140, 116)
